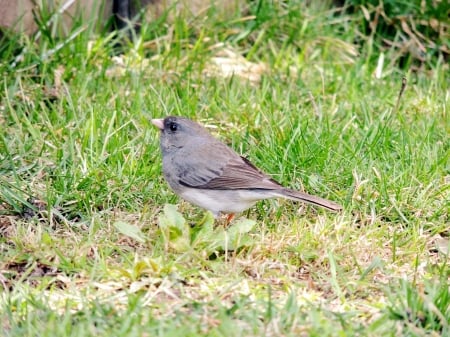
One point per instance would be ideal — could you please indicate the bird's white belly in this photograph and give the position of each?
(225, 201)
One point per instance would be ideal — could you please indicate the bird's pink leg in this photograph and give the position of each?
(230, 218)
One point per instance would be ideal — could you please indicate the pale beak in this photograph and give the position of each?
(159, 123)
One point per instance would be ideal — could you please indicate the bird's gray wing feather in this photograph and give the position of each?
(223, 169)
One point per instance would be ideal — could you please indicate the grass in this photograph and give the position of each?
(93, 244)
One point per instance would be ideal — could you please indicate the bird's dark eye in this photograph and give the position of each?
(173, 127)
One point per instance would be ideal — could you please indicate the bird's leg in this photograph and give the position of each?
(230, 218)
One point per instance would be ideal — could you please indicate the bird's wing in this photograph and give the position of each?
(241, 174)
(223, 169)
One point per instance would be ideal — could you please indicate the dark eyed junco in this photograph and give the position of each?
(207, 173)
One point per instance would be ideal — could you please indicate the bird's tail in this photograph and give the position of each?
(296, 195)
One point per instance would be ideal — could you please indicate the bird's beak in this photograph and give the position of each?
(159, 123)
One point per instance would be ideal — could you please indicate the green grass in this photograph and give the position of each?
(91, 246)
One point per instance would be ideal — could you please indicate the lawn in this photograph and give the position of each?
(94, 243)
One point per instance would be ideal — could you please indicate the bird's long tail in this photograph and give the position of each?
(296, 195)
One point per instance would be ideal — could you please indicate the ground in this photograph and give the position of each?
(94, 242)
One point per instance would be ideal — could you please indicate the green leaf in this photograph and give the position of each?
(181, 244)
(171, 218)
(241, 226)
(174, 217)
(204, 229)
(174, 228)
(130, 230)
(237, 235)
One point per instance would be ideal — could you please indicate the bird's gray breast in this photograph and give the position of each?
(197, 163)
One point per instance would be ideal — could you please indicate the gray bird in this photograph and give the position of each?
(207, 173)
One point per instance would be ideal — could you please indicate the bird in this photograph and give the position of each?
(207, 173)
